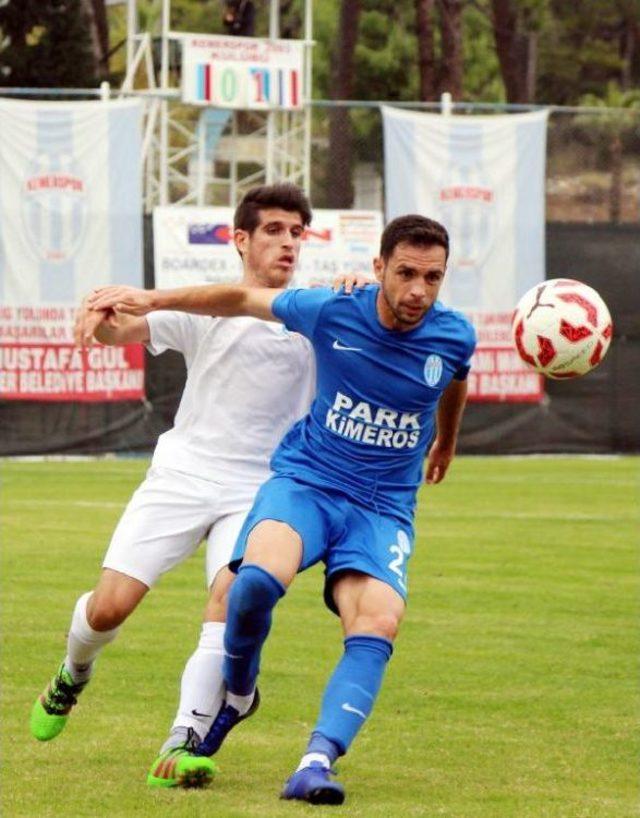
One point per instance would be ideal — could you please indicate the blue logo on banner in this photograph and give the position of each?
(209, 234)
(433, 370)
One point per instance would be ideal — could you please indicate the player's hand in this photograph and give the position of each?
(351, 280)
(440, 457)
(86, 323)
(130, 300)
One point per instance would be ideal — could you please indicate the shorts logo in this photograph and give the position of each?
(433, 370)
(401, 550)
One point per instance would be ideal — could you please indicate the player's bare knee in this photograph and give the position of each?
(106, 611)
(216, 607)
(116, 595)
(385, 625)
(105, 615)
(277, 548)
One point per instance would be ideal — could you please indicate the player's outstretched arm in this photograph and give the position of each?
(108, 327)
(209, 299)
(448, 418)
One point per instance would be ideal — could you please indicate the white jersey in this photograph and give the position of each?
(248, 381)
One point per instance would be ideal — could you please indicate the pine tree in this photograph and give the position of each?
(47, 44)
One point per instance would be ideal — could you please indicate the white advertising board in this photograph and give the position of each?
(194, 245)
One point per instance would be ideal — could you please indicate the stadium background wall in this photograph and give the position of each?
(596, 414)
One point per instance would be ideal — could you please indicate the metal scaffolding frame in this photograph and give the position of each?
(192, 158)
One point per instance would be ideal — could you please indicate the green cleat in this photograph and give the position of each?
(179, 768)
(51, 709)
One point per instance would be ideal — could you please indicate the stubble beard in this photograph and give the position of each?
(404, 322)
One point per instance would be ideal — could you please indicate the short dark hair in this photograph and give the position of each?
(284, 196)
(415, 230)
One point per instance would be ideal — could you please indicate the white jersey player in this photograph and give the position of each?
(247, 382)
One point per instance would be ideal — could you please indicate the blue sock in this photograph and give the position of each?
(252, 598)
(320, 744)
(350, 694)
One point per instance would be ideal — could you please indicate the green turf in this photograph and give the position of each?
(513, 690)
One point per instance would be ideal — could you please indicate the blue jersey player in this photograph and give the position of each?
(391, 368)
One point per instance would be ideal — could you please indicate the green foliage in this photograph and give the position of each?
(579, 44)
(512, 691)
(203, 17)
(45, 44)
(385, 52)
(481, 76)
(385, 55)
(614, 124)
(580, 50)
(614, 97)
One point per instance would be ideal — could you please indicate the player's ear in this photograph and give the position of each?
(240, 239)
(378, 268)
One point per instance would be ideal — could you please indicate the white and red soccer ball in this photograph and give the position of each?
(562, 328)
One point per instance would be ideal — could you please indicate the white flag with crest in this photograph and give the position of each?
(71, 204)
(483, 178)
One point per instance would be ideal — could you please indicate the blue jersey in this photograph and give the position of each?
(377, 390)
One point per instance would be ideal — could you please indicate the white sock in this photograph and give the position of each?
(202, 686)
(241, 703)
(181, 737)
(83, 643)
(309, 757)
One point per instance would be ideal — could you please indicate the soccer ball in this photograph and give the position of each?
(562, 328)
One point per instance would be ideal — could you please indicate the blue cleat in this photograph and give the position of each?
(223, 723)
(313, 784)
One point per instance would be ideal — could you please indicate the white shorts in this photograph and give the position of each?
(168, 516)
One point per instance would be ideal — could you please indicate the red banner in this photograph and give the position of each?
(498, 374)
(497, 371)
(60, 372)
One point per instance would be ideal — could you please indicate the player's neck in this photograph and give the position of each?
(250, 279)
(253, 279)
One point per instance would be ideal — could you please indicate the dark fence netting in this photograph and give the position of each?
(595, 414)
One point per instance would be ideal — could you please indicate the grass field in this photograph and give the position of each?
(513, 690)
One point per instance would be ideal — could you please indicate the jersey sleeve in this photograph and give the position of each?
(175, 330)
(463, 370)
(299, 310)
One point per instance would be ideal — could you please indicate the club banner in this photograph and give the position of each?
(483, 178)
(242, 72)
(194, 245)
(71, 203)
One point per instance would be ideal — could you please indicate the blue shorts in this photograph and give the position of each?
(344, 535)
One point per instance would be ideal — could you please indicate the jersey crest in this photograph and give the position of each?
(433, 370)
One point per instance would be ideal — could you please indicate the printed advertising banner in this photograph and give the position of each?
(194, 245)
(483, 178)
(242, 72)
(72, 220)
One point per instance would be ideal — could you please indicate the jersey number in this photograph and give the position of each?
(401, 550)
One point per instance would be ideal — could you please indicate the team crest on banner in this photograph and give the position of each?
(54, 207)
(483, 178)
(466, 198)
